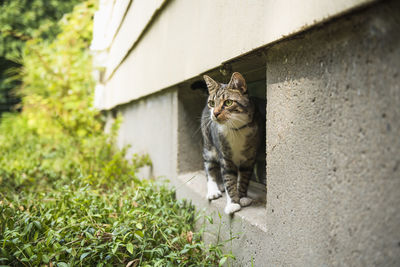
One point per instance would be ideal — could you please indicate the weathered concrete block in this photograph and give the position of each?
(333, 124)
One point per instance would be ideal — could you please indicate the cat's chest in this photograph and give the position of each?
(237, 142)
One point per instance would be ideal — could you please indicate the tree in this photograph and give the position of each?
(21, 20)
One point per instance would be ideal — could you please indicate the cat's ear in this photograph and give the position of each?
(237, 82)
(211, 84)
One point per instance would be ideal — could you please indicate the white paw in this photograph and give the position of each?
(214, 194)
(231, 208)
(245, 201)
(212, 190)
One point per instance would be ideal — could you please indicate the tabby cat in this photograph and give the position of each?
(230, 129)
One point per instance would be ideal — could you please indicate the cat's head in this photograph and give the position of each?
(229, 104)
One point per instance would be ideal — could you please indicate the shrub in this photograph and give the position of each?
(68, 195)
(58, 134)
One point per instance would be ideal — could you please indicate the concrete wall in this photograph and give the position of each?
(149, 126)
(190, 145)
(332, 121)
(333, 146)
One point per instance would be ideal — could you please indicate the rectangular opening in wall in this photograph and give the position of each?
(192, 97)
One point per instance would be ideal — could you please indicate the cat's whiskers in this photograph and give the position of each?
(199, 128)
(203, 124)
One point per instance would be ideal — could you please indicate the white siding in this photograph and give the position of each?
(191, 37)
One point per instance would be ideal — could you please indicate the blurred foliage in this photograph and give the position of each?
(68, 196)
(58, 133)
(20, 21)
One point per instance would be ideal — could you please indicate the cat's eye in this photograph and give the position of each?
(228, 102)
(211, 103)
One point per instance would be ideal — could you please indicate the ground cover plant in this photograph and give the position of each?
(68, 196)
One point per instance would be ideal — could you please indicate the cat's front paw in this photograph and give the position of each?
(245, 201)
(213, 194)
(231, 208)
(212, 190)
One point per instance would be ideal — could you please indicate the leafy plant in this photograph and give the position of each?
(69, 197)
(142, 224)
(58, 134)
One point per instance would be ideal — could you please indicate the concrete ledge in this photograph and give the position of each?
(247, 226)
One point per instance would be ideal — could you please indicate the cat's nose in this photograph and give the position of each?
(216, 113)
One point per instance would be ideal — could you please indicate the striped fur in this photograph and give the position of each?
(230, 129)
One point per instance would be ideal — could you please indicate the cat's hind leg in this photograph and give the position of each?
(231, 207)
(243, 184)
(229, 173)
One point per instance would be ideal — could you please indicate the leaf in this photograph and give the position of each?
(139, 226)
(185, 250)
(84, 255)
(45, 258)
(174, 240)
(73, 252)
(35, 236)
(62, 264)
(38, 225)
(115, 248)
(134, 263)
(129, 247)
(139, 234)
(222, 261)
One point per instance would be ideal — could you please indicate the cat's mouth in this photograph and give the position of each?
(221, 119)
